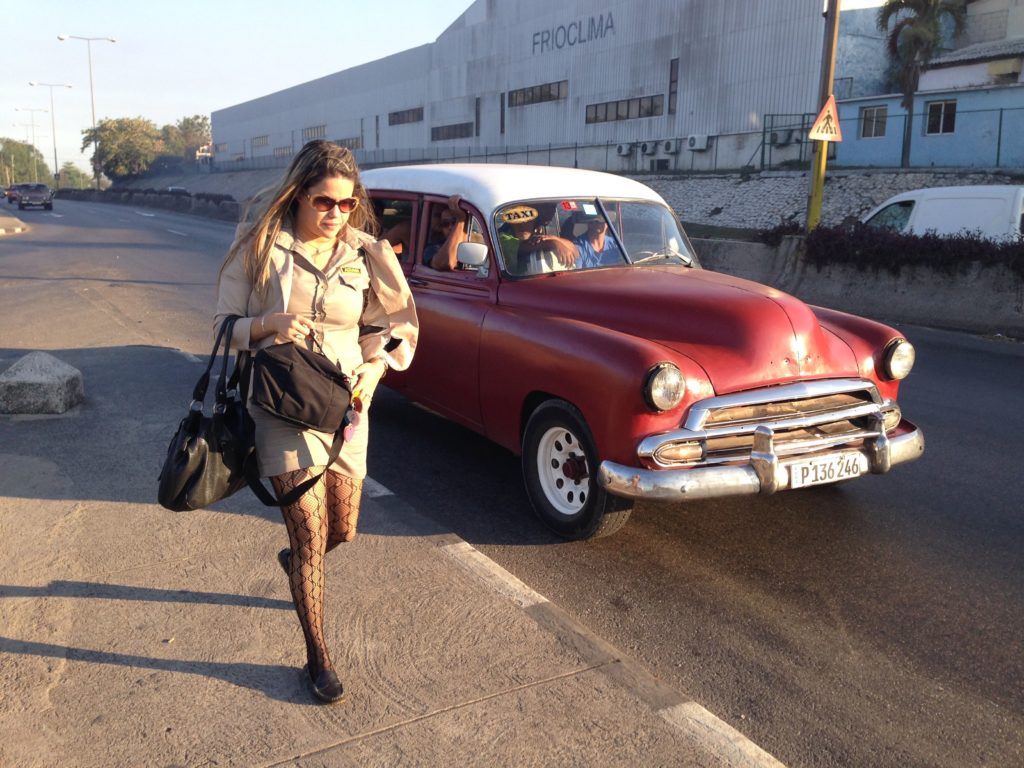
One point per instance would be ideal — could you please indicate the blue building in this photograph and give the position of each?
(969, 108)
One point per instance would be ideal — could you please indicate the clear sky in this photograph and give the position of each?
(173, 59)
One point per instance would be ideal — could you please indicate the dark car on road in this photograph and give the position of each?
(12, 193)
(35, 195)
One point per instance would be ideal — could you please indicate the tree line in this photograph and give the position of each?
(124, 147)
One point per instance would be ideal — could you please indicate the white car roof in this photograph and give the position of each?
(970, 190)
(491, 185)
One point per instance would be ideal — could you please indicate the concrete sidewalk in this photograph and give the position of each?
(10, 224)
(136, 636)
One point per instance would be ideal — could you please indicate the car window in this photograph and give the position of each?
(396, 225)
(894, 217)
(538, 236)
(438, 218)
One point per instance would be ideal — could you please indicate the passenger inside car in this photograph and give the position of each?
(395, 218)
(527, 245)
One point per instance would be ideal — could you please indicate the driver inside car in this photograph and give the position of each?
(596, 246)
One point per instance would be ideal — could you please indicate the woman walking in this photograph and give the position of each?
(307, 270)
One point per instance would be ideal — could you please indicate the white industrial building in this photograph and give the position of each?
(619, 85)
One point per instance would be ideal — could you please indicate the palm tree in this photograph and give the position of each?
(913, 41)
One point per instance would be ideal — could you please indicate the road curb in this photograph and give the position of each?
(688, 716)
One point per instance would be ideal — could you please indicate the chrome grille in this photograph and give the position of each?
(804, 418)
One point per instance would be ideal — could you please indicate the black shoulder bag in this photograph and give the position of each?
(306, 389)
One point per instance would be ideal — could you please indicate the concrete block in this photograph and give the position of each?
(40, 383)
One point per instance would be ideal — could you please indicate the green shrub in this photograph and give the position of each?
(773, 236)
(868, 248)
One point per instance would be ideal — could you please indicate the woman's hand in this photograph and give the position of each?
(284, 325)
(367, 377)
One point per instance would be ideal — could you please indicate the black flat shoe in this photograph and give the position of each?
(326, 687)
(284, 557)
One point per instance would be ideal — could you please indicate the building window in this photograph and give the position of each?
(941, 117)
(414, 115)
(673, 85)
(314, 132)
(222, 147)
(536, 94)
(453, 131)
(260, 141)
(476, 119)
(626, 109)
(282, 151)
(872, 122)
(353, 142)
(502, 98)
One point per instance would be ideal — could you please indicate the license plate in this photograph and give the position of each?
(826, 469)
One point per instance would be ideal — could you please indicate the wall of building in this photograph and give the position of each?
(738, 61)
(988, 127)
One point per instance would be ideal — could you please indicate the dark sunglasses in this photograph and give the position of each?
(323, 203)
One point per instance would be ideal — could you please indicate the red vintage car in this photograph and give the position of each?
(574, 326)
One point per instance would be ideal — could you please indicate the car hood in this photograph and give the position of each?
(743, 334)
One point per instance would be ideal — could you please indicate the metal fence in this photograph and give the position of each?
(980, 138)
(987, 138)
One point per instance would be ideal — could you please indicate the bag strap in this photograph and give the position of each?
(252, 477)
(225, 330)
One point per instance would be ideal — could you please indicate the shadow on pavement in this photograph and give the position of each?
(272, 680)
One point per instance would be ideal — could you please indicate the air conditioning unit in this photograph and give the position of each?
(782, 138)
(649, 147)
(624, 150)
(697, 142)
(672, 146)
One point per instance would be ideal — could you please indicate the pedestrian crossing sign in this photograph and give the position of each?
(826, 126)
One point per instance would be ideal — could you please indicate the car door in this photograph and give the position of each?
(451, 306)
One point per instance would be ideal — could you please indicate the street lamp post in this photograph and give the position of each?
(92, 96)
(53, 127)
(32, 118)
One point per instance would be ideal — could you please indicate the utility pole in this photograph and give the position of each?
(828, 74)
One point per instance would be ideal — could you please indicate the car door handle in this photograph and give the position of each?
(416, 281)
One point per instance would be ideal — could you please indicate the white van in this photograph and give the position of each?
(996, 211)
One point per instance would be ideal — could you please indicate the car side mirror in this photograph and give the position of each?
(472, 254)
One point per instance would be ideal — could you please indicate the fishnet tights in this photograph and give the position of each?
(324, 517)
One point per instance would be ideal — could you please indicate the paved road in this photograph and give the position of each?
(874, 624)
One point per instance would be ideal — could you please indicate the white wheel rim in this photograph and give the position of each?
(559, 457)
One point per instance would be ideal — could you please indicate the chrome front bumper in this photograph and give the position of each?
(766, 473)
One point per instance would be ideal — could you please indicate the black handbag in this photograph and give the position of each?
(210, 457)
(306, 389)
(301, 386)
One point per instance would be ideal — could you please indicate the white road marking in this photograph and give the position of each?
(147, 215)
(717, 736)
(375, 490)
(176, 232)
(492, 574)
(57, 215)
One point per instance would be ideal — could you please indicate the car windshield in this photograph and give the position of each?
(538, 236)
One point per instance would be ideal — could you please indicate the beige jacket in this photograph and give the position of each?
(400, 326)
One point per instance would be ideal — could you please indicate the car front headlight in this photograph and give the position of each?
(898, 359)
(664, 387)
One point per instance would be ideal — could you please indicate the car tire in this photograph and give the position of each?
(49, 207)
(560, 471)
(21, 207)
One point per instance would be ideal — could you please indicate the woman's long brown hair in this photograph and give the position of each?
(316, 161)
